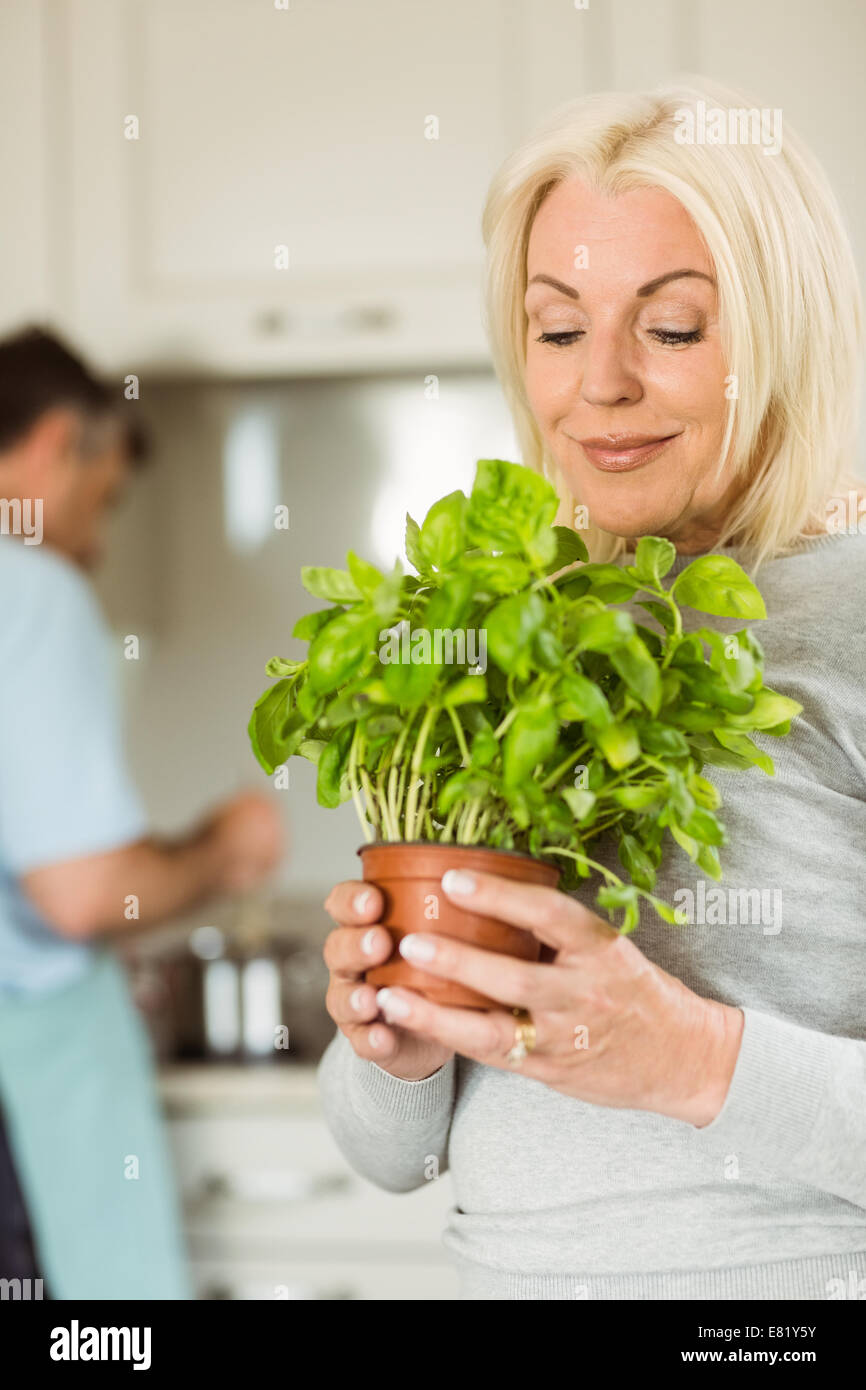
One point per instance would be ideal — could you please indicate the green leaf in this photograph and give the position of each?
(740, 743)
(496, 574)
(331, 767)
(340, 649)
(311, 624)
(708, 750)
(636, 862)
(641, 796)
(311, 749)
(267, 726)
(310, 703)
(708, 860)
(511, 509)
(409, 683)
(604, 632)
(511, 626)
(280, 666)
(770, 708)
(622, 896)
(662, 741)
(530, 739)
(717, 584)
(676, 916)
(619, 743)
(580, 801)
(484, 748)
(569, 548)
(442, 536)
(732, 657)
(366, 577)
(464, 785)
(659, 611)
(413, 546)
(610, 583)
(467, 690)
(581, 698)
(653, 558)
(702, 825)
(336, 585)
(639, 671)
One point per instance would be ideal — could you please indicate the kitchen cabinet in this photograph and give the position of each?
(271, 1210)
(272, 187)
(260, 189)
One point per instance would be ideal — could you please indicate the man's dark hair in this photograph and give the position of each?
(38, 372)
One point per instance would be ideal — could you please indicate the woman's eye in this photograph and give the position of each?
(561, 339)
(670, 335)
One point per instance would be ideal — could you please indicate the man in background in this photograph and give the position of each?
(86, 1194)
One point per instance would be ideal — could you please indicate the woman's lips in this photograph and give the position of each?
(621, 454)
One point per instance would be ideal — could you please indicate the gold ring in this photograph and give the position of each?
(524, 1037)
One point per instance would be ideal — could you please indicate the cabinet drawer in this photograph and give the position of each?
(277, 1180)
(357, 1278)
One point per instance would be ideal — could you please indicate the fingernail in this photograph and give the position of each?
(360, 902)
(356, 999)
(392, 1005)
(375, 1039)
(458, 881)
(368, 942)
(417, 948)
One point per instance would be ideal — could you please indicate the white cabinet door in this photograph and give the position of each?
(263, 189)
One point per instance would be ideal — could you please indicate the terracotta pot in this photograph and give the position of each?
(409, 875)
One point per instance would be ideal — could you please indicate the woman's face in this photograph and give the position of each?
(624, 367)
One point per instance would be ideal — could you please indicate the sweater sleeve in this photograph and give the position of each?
(797, 1103)
(388, 1130)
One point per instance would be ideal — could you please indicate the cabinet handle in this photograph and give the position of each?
(270, 1187)
(301, 1293)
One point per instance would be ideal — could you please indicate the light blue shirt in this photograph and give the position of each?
(64, 789)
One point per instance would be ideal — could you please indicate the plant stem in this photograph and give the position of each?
(412, 795)
(554, 776)
(461, 740)
(353, 783)
(445, 837)
(584, 859)
(506, 722)
(393, 799)
(472, 816)
(415, 833)
(385, 806)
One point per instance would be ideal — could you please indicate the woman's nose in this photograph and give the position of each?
(607, 379)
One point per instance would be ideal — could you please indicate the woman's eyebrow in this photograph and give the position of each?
(649, 288)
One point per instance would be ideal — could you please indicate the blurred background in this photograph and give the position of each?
(261, 223)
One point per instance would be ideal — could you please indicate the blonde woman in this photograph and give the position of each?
(676, 327)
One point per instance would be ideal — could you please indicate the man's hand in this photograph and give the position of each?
(235, 849)
(248, 841)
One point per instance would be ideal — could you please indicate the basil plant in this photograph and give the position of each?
(504, 694)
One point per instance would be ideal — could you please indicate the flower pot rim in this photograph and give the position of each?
(438, 844)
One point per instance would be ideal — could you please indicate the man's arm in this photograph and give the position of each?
(87, 897)
(73, 831)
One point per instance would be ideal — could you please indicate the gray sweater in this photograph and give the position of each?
(559, 1199)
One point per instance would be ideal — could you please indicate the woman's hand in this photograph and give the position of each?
(611, 1027)
(354, 947)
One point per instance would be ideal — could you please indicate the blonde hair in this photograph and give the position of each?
(789, 296)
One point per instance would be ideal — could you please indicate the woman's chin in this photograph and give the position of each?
(629, 520)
